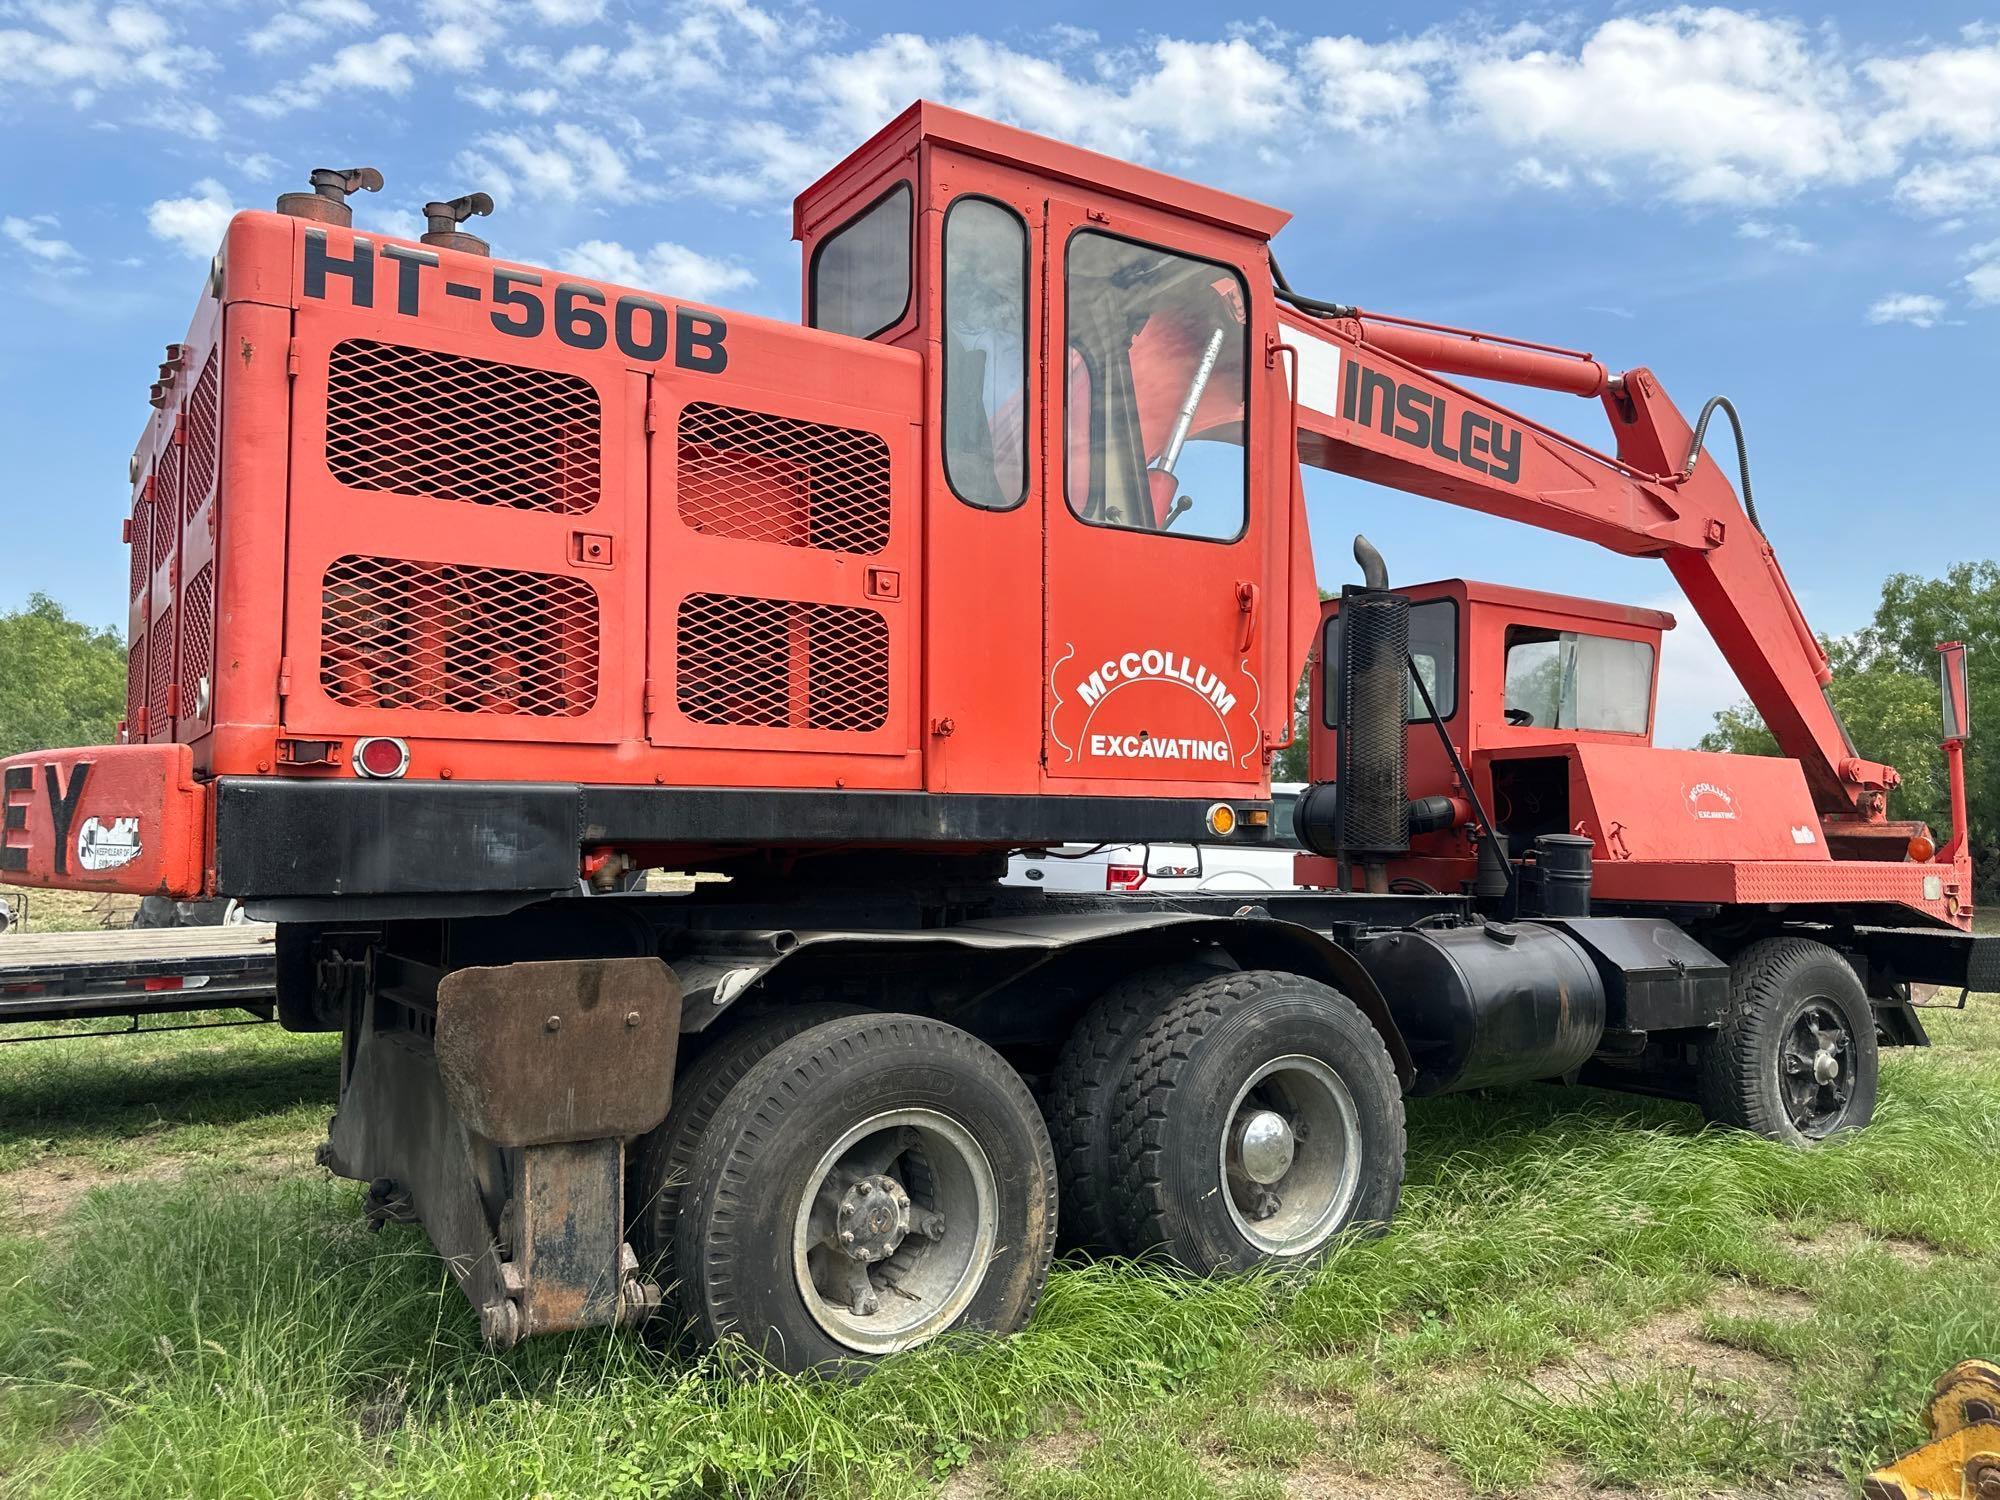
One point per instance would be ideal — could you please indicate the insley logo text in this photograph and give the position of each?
(1411, 415)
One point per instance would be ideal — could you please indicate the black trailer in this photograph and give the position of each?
(76, 976)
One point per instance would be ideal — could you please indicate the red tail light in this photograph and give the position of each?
(1124, 877)
(381, 757)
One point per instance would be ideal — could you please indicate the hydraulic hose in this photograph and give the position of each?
(1742, 452)
(1313, 305)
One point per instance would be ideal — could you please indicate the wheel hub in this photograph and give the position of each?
(873, 1217)
(895, 1229)
(1264, 1145)
(1814, 1070)
(1291, 1155)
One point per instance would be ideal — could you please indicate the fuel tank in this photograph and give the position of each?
(1488, 1003)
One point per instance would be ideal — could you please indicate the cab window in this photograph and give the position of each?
(861, 272)
(1562, 679)
(1157, 383)
(1433, 653)
(985, 353)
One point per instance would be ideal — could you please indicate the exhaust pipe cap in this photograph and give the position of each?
(444, 217)
(327, 202)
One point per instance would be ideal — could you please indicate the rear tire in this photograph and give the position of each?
(1261, 1117)
(663, 1158)
(1084, 1092)
(870, 1185)
(1795, 1057)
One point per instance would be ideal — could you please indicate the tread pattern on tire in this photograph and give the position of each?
(1083, 1096)
(1163, 1058)
(722, 1184)
(664, 1158)
(1730, 1064)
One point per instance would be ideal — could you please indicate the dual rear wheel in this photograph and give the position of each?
(833, 1185)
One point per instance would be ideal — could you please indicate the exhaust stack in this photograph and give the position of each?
(444, 218)
(327, 202)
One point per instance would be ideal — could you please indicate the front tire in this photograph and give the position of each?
(871, 1184)
(1261, 1117)
(1795, 1057)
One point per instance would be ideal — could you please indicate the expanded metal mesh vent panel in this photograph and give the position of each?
(773, 479)
(780, 664)
(142, 553)
(1374, 707)
(416, 635)
(449, 427)
(160, 674)
(135, 688)
(164, 521)
(204, 428)
(197, 644)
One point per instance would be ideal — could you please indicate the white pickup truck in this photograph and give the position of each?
(1165, 869)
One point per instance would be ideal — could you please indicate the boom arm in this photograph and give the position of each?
(1373, 402)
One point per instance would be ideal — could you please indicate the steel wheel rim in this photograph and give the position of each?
(921, 1286)
(1316, 1191)
(1816, 1069)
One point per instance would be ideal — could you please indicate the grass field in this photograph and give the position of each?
(1583, 1293)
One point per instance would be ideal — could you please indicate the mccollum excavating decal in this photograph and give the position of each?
(1153, 705)
(1711, 803)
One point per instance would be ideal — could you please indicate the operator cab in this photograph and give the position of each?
(1109, 592)
(1526, 685)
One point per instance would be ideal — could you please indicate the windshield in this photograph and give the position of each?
(1563, 680)
(1157, 375)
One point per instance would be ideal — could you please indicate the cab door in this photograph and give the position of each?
(1152, 566)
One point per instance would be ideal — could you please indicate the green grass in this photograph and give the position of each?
(221, 1332)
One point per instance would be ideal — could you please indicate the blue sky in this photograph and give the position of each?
(1798, 208)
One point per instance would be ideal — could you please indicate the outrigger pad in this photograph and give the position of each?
(531, 1054)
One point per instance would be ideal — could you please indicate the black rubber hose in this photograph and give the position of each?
(1305, 304)
(1742, 452)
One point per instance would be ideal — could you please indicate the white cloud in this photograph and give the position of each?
(193, 224)
(309, 21)
(1714, 105)
(1939, 189)
(259, 166)
(1783, 237)
(389, 63)
(1920, 310)
(1362, 86)
(72, 42)
(569, 12)
(1163, 100)
(1983, 280)
(526, 101)
(667, 267)
(1949, 94)
(565, 164)
(29, 236)
(184, 117)
(1535, 173)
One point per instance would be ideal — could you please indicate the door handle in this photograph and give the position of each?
(1246, 602)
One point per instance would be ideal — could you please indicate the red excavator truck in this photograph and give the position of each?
(463, 591)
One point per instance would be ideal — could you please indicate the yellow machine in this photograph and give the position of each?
(1962, 1459)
